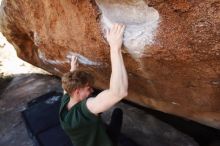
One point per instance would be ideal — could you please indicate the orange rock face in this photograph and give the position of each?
(172, 48)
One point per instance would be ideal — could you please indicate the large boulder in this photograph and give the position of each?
(171, 48)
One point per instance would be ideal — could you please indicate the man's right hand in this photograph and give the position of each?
(118, 88)
(115, 36)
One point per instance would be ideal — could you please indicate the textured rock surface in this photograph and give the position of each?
(176, 72)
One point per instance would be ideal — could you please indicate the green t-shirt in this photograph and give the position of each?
(83, 127)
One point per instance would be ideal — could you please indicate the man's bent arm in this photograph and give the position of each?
(118, 81)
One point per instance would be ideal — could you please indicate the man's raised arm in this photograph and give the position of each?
(118, 81)
(74, 63)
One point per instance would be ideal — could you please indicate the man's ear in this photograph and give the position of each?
(74, 92)
(77, 91)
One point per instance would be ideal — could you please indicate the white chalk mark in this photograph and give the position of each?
(81, 59)
(141, 24)
(57, 70)
(175, 103)
(50, 61)
(37, 40)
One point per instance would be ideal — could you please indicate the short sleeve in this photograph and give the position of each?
(87, 112)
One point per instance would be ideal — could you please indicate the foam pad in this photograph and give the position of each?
(42, 114)
(42, 121)
(53, 137)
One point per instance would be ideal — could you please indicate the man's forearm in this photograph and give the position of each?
(72, 70)
(118, 80)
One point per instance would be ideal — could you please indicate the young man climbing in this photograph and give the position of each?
(79, 115)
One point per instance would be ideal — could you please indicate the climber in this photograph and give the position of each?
(79, 115)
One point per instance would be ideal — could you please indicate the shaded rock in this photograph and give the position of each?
(171, 47)
(215, 143)
(20, 90)
(147, 130)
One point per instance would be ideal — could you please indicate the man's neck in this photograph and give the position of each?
(73, 101)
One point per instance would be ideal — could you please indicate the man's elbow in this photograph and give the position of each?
(119, 94)
(123, 94)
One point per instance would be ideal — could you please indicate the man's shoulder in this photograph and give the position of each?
(85, 111)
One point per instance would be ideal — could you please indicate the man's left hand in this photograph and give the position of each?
(74, 63)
